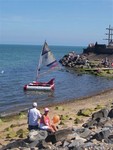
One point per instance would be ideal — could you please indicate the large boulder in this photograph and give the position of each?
(59, 135)
(110, 113)
(37, 135)
(103, 113)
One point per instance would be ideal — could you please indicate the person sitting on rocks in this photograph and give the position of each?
(45, 122)
(33, 117)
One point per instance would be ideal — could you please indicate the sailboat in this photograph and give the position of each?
(47, 62)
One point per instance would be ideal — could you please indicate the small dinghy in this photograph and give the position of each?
(43, 86)
(48, 61)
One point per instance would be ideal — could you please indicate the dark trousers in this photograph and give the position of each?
(33, 127)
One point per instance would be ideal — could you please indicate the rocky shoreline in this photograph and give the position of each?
(84, 124)
(97, 64)
(95, 134)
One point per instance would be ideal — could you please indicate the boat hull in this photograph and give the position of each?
(39, 86)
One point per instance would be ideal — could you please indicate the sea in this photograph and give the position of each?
(18, 66)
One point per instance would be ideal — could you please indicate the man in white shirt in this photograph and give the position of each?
(33, 117)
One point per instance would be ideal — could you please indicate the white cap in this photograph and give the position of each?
(34, 104)
(46, 109)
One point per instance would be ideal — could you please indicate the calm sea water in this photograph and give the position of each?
(18, 66)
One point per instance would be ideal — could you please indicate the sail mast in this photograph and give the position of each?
(110, 34)
(39, 65)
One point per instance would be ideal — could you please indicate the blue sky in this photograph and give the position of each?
(60, 22)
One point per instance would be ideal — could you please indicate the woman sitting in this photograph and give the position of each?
(45, 122)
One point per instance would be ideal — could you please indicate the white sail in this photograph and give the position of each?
(47, 60)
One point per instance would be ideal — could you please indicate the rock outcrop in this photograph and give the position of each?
(95, 134)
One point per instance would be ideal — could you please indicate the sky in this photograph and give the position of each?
(59, 22)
